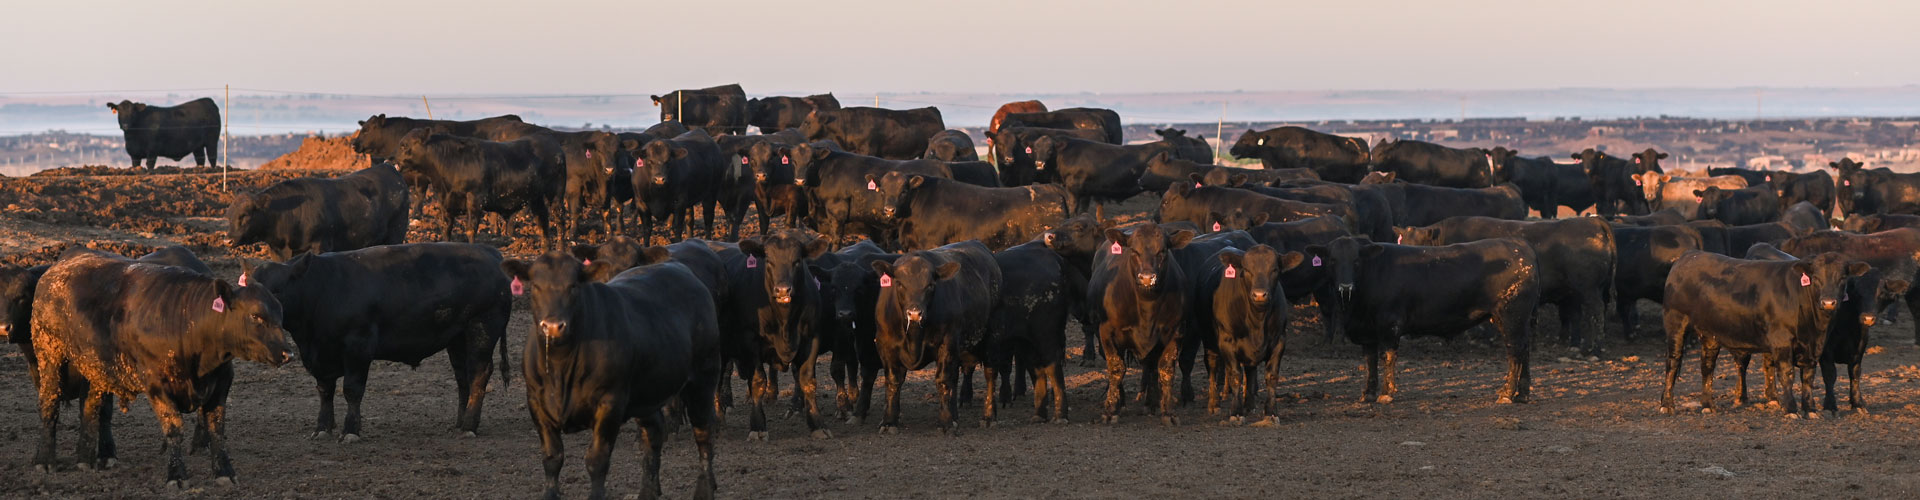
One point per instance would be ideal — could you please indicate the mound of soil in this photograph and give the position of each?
(104, 170)
(320, 153)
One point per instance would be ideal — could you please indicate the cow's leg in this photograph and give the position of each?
(1780, 361)
(696, 395)
(1709, 355)
(1629, 316)
(806, 383)
(1056, 373)
(1389, 367)
(1169, 361)
(151, 160)
(1090, 352)
(947, 379)
(869, 372)
(1740, 361)
(213, 421)
(706, 218)
(1116, 373)
(170, 427)
(653, 439)
(896, 374)
(1216, 380)
(473, 374)
(989, 406)
(200, 157)
(1828, 373)
(1676, 327)
(108, 453)
(844, 390)
(1853, 386)
(553, 455)
(1372, 353)
(49, 387)
(606, 430)
(760, 391)
(357, 364)
(1913, 306)
(1805, 371)
(1189, 350)
(87, 450)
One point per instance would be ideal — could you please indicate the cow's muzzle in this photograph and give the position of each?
(1146, 279)
(553, 329)
(782, 294)
(1829, 304)
(1869, 319)
(914, 315)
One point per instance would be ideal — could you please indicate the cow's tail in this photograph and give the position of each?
(506, 377)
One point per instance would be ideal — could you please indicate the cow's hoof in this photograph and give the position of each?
(1109, 419)
(1793, 416)
(469, 434)
(109, 463)
(176, 484)
(1385, 399)
(1666, 410)
(1270, 421)
(1504, 400)
(855, 420)
(349, 438)
(47, 468)
(1169, 421)
(1058, 421)
(1036, 419)
(319, 434)
(760, 436)
(223, 481)
(889, 429)
(986, 423)
(1813, 415)
(1708, 410)
(822, 434)
(1235, 420)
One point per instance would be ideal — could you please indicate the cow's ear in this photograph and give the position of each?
(1858, 268)
(882, 267)
(1258, 219)
(1896, 287)
(1179, 239)
(1664, 177)
(515, 268)
(1802, 268)
(1660, 156)
(115, 107)
(656, 99)
(752, 247)
(655, 255)
(947, 270)
(1390, 176)
(629, 144)
(139, 106)
(818, 247)
(679, 153)
(1177, 190)
(1233, 258)
(1162, 157)
(1699, 193)
(820, 153)
(1575, 155)
(1371, 249)
(1319, 250)
(1116, 236)
(585, 252)
(1237, 180)
(1832, 164)
(1291, 260)
(916, 181)
(1196, 177)
(1100, 215)
(824, 275)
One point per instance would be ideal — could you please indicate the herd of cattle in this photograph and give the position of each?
(963, 265)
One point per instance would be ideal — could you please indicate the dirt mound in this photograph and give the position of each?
(103, 170)
(320, 153)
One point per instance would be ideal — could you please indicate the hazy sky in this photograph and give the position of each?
(1007, 46)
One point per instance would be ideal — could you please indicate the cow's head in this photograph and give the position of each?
(1237, 220)
(1863, 224)
(1255, 275)
(782, 256)
(1379, 178)
(896, 192)
(1710, 199)
(1826, 276)
(128, 112)
(1145, 255)
(650, 166)
(599, 151)
(816, 123)
(1251, 144)
(16, 296)
(1850, 184)
(1343, 258)
(1044, 150)
(1079, 236)
(1648, 161)
(246, 224)
(1500, 160)
(618, 254)
(844, 288)
(244, 320)
(1614, 186)
(412, 149)
(804, 156)
(1418, 236)
(552, 284)
(906, 287)
(1651, 185)
(770, 163)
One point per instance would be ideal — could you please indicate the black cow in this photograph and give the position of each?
(1335, 158)
(951, 145)
(841, 194)
(1805, 218)
(1241, 301)
(934, 307)
(1874, 223)
(1753, 177)
(1038, 292)
(1739, 207)
(849, 288)
(600, 354)
(401, 303)
(477, 175)
(379, 135)
(672, 177)
(781, 112)
(1163, 170)
(1420, 204)
(778, 299)
(895, 134)
(1137, 297)
(1012, 150)
(1644, 255)
(1460, 286)
(1076, 240)
(1860, 304)
(932, 212)
(1663, 217)
(590, 160)
(774, 191)
(1545, 186)
(1575, 267)
(1093, 171)
(1183, 203)
(128, 329)
(1194, 149)
(1876, 191)
(718, 110)
(978, 173)
(1365, 208)
(1816, 188)
(1778, 308)
(1614, 188)
(1435, 165)
(1888, 251)
(189, 128)
(1101, 119)
(318, 215)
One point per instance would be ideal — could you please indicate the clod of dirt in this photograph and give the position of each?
(1508, 424)
(1716, 470)
(320, 153)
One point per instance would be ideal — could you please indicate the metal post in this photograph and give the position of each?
(1219, 130)
(680, 107)
(226, 138)
(876, 100)
(423, 102)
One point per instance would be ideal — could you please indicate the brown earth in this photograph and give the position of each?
(320, 153)
(1593, 430)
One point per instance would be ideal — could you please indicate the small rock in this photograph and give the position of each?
(1559, 449)
(1427, 468)
(1412, 443)
(1717, 470)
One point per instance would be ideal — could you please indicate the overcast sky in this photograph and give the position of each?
(1000, 46)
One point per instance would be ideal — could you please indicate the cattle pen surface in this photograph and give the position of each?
(1593, 428)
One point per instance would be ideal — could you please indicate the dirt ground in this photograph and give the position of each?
(1593, 430)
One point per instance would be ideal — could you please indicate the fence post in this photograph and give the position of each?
(423, 102)
(226, 138)
(1220, 131)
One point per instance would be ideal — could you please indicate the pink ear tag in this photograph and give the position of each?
(1769, 178)
(1230, 274)
(1846, 183)
(640, 162)
(1029, 149)
(243, 279)
(783, 160)
(589, 153)
(872, 187)
(1115, 249)
(743, 160)
(587, 262)
(516, 287)
(1197, 185)
(1397, 240)
(1316, 261)
(1216, 227)
(886, 281)
(219, 305)
(1636, 181)
(752, 263)
(1805, 280)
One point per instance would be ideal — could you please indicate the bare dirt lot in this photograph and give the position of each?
(1593, 430)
